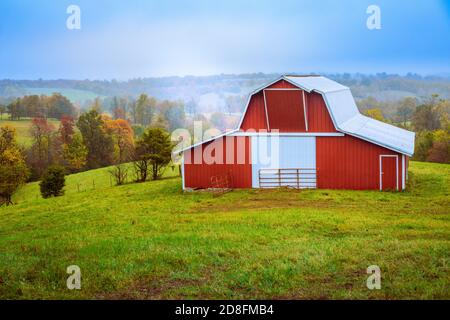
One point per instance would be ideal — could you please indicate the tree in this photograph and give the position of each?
(160, 121)
(174, 114)
(424, 141)
(53, 182)
(426, 117)
(97, 105)
(66, 129)
(375, 114)
(45, 149)
(406, 109)
(119, 173)
(16, 110)
(123, 137)
(13, 170)
(440, 149)
(59, 106)
(75, 153)
(144, 109)
(153, 152)
(2, 110)
(99, 143)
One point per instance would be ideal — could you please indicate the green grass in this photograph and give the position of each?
(73, 95)
(151, 241)
(23, 128)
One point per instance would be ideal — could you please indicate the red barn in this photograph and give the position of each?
(302, 132)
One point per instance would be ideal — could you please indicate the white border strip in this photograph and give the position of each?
(286, 134)
(304, 111)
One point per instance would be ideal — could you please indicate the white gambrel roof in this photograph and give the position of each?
(344, 114)
(347, 119)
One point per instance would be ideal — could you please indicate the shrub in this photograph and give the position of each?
(53, 182)
(119, 173)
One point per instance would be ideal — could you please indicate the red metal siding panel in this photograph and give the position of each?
(350, 163)
(238, 165)
(282, 84)
(285, 110)
(319, 119)
(255, 117)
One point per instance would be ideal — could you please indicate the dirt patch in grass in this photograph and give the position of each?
(155, 289)
(260, 203)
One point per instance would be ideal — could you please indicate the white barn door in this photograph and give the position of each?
(276, 162)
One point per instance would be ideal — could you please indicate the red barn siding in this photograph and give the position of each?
(319, 119)
(199, 175)
(282, 84)
(255, 117)
(285, 110)
(350, 163)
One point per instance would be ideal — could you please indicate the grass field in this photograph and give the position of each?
(151, 241)
(23, 128)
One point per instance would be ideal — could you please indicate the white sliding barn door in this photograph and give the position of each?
(285, 152)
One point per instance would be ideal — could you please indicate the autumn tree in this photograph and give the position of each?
(99, 143)
(59, 106)
(440, 148)
(45, 148)
(153, 153)
(13, 170)
(123, 138)
(66, 129)
(376, 114)
(75, 153)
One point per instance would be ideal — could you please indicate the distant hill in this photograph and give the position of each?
(74, 95)
(211, 92)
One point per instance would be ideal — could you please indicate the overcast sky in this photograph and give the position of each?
(143, 38)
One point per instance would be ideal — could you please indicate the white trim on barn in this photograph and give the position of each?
(182, 172)
(287, 134)
(403, 173)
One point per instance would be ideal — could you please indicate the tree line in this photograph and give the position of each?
(34, 106)
(92, 141)
(430, 120)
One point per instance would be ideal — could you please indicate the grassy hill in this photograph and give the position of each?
(23, 128)
(151, 241)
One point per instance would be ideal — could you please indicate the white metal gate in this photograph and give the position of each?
(300, 178)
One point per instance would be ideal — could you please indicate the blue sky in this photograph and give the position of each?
(142, 38)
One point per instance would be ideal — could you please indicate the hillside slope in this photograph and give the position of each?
(151, 241)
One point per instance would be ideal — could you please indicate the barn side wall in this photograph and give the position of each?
(351, 163)
(198, 173)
